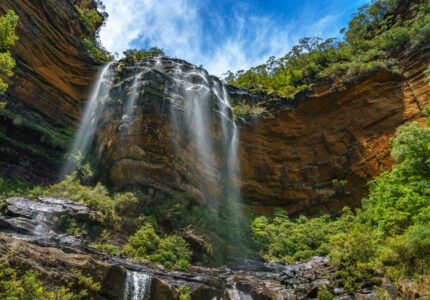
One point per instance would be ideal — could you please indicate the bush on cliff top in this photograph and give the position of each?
(375, 33)
(391, 232)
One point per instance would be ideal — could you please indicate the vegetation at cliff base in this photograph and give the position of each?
(8, 23)
(390, 233)
(16, 284)
(375, 35)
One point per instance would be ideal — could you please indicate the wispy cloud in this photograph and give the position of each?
(219, 41)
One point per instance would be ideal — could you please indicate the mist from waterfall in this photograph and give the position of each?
(89, 121)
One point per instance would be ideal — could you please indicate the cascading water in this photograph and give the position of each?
(137, 286)
(90, 118)
(193, 112)
(206, 105)
(133, 96)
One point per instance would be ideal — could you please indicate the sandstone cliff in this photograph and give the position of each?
(316, 156)
(292, 159)
(45, 94)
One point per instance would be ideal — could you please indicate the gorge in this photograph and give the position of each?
(147, 178)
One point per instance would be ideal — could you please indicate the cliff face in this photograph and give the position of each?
(50, 81)
(292, 159)
(317, 156)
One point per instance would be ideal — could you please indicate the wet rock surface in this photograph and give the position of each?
(29, 228)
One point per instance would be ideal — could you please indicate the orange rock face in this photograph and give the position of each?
(51, 79)
(316, 157)
(51, 74)
(291, 159)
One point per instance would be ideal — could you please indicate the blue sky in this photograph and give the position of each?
(225, 34)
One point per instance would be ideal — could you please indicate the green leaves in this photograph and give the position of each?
(8, 24)
(391, 231)
(170, 251)
(375, 33)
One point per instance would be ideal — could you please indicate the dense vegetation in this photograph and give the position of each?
(8, 24)
(132, 56)
(94, 19)
(17, 285)
(390, 233)
(376, 33)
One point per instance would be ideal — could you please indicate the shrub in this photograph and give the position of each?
(132, 56)
(144, 242)
(91, 17)
(8, 24)
(93, 49)
(391, 232)
(324, 293)
(170, 251)
(15, 285)
(376, 32)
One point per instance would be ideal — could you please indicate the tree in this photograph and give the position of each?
(8, 24)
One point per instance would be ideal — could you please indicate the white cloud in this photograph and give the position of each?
(241, 41)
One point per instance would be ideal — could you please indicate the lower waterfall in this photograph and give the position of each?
(137, 286)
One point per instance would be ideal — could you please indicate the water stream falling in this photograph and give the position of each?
(137, 286)
(133, 96)
(89, 122)
(201, 124)
(207, 106)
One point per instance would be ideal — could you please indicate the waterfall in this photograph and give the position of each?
(235, 294)
(133, 96)
(137, 286)
(88, 124)
(206, 100)
(203, 134)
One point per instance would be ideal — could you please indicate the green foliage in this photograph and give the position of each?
(8, 23)
(132, 56)
(391, 232)
(324, 293)
(53, 137)
(93, 48)
(93, 20)
(15, 285)
(184, 293)
(170, 251)
(226, 229)
(243, 111)
(91, 17)
(374, 34)
(14, 186)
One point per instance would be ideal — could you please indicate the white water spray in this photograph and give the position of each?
(137, 286)
(133, 96)
(88, 125)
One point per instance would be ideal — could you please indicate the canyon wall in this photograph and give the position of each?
(45, 95)
(298, 159)
(316, 155)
